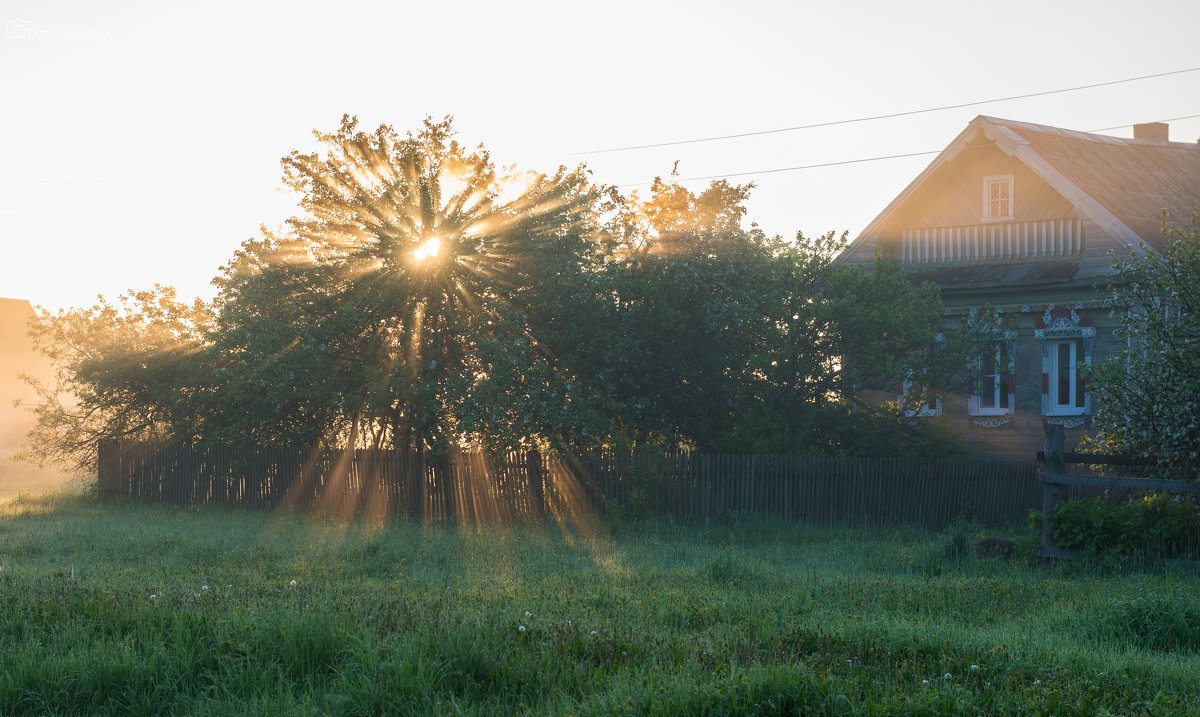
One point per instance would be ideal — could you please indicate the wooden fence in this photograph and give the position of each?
(476, 487)
(1061, 485)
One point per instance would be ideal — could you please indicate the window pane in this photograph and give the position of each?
(1079, 395)
(1002, 375)
(999, 198)
(987, 393)
(987, 384)
(1063, 378)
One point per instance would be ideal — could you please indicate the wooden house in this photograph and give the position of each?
(1026, 219)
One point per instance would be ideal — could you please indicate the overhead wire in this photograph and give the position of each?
(694, 141)
(853, 161)
(891, 115)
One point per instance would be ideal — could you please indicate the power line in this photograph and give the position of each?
(629, 184)
(857, 161)
(879, 117)
(1123, 126)
(791, 169)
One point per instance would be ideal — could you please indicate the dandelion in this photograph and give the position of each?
(946, 676)
(153, 597)
(520, 628)
(293, 583)
(594, 633)
(925, 682)
(528, 614)
(204, 587)
(974, 668)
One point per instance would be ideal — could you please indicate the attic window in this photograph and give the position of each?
(997, 197)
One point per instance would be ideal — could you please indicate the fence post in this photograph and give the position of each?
(1052, 493)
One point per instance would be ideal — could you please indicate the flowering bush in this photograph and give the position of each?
(1148, 393)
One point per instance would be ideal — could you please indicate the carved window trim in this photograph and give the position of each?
(1057, 325)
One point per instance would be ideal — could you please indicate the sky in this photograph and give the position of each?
(141, 140)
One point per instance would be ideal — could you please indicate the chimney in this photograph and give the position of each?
(1151, 130)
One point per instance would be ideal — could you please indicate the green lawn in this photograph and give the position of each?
(142, 610)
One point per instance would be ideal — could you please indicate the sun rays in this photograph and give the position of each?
(428, 248)
(436, 256)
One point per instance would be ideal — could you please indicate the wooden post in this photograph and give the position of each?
(1052, 493)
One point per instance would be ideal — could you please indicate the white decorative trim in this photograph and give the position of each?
(991, 421)
(999, 239)
(1091, 304)
(1067, 421)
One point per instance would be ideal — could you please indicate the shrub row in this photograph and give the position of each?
(1157, 525)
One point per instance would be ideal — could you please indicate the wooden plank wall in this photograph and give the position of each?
(476, 487)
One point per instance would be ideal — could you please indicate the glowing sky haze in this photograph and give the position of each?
(141, 140)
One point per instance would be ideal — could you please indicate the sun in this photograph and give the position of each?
(428, 248)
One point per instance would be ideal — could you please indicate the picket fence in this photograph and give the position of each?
(474, 486)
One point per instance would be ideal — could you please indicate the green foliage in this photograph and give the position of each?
(133, 371)
(342, 331)
(1158, 525)
(554, 312)
(1148, 393)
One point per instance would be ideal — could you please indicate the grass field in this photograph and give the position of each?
(140, 610)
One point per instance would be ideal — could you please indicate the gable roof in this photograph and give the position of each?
(1122, 185)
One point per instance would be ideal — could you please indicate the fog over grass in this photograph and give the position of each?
(123, 609)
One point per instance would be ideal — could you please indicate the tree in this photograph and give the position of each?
(399, 309)
(130, 371)
(422, 299)
(1148, 392)
(722, 338)
(661, 329)
(836, 334)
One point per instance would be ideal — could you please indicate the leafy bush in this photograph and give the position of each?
(1159, 524)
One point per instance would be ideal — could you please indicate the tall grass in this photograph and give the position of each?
(117, 609)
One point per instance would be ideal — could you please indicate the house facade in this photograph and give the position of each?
(1018, 224)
